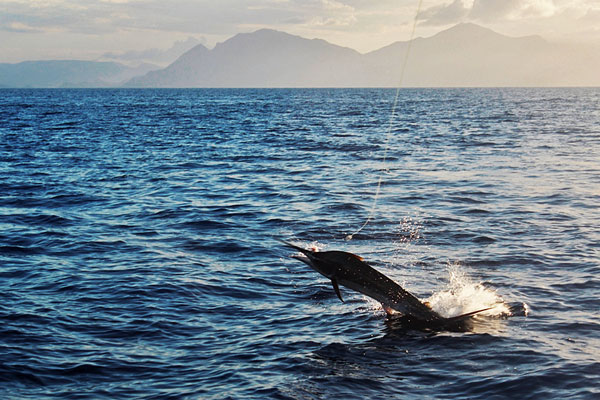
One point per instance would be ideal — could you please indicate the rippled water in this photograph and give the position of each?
(138, 256)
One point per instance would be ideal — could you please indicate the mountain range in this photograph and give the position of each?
(466, 55)
(155, 56)
(68, 73)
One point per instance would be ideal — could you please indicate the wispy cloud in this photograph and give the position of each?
(227, 16)
(206, 16)
(444, 14)
(360, 24)
(493, 10)
(20, 27)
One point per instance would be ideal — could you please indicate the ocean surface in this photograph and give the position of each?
(139, 254)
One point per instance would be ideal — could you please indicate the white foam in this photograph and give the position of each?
(461, 295)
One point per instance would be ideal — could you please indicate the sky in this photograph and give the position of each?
(88, 29)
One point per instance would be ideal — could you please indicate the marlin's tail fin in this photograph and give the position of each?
(467, 315)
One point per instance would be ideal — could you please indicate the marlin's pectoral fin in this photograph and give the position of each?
(336, 288)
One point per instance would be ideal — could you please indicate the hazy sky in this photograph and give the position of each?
(86, 29)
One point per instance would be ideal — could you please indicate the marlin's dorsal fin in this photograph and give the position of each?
(336, 288)
(359, 258)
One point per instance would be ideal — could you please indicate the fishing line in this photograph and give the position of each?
(390, 124)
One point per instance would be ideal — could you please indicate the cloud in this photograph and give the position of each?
(361, 24)
(332, 21)
(83, 16)
(318, 13)
(20, 27)
(190, 16)
(592, 15)
(331, 13)
(491, 10)
(445, 14)
(210, 17)
(58, 16)
(487, 11)
(494, 10)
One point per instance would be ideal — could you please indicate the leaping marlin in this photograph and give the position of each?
(351, 271)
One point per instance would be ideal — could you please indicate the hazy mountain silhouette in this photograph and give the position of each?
(152, 56)
(465, 55)
(470, 55)
(265, 58)
(67, 73)
(114, 69)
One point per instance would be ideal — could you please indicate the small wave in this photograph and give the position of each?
(71, 199)
(351, 113)
(24, 375)
(36, 220)
(19, 250)
(477, 211)
(166, 214)
(206, 225)
(484, 240)
(342, 207)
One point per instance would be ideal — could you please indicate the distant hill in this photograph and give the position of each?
(465, 55)
(67, 73)
(265, 58)
(152, 56)
(470, 55)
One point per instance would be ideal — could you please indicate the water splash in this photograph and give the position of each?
(463, 295)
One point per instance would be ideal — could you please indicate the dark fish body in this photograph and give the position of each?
(351, 271)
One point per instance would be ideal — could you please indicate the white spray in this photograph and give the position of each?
(461, 295)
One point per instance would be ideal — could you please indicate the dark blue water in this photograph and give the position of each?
(138, 255)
